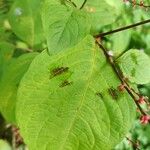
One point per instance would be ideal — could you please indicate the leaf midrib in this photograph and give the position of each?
(64, 27)
(81, 103)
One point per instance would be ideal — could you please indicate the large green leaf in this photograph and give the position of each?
(9, 84)
(64, 26)
(101, 12)
(70, 101)
(135, 65)
(26, 22)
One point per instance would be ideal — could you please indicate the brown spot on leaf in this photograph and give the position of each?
(133, 71)
(134, 58)
(99, 94)
(113, 93)
(65, 83)
(58, 71)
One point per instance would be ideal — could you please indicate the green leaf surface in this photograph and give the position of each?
(6, 52)
(1, 66)
(121, 40)
(70, 101)
(135, 65)
(101, 12)
(11, 77)
(25, 20)
(4, 145)
(64, 26)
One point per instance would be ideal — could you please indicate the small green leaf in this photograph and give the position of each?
(11, 77)
(135, 65)
(64, 26)
(71, 101)
(6, 52)
(25, 20)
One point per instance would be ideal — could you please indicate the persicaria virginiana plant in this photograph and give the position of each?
(70, 79)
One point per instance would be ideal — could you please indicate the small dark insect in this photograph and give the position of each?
(59, 71)
(99, 94)
(65, 83)
(113, 92)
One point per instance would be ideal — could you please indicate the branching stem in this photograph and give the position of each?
(121, 77)
(123, 28)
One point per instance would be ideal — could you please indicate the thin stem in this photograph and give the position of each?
(72, 3)
(138, 4)
(135, 146)
(83, 4)
(117, 71)
(123, 28)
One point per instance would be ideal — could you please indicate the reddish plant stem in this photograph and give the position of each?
(135, 146)
(134, 3)
(122, 28)
(119, 74)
